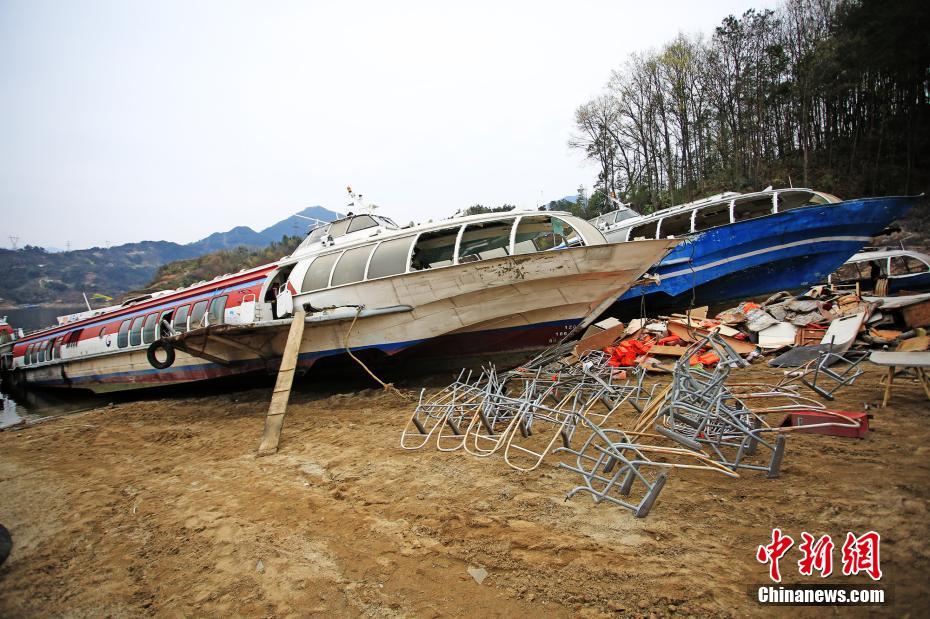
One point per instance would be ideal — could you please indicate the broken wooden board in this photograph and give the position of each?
(885, 334)
(668, 351)
(600, 340)
(692, 334)
(654, 365)
(915, 344)
(917, 315)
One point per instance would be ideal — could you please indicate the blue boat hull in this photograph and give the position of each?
(784, 251)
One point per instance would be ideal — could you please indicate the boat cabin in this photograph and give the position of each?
(905, 270)
(679, 221)
(442, 244)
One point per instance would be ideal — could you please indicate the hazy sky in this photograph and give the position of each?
(129, 120)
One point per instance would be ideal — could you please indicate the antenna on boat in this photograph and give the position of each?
(359, 204)
(316, 221)
(613, 198)
(89, 308)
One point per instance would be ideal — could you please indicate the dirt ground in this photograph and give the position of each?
(161, 507)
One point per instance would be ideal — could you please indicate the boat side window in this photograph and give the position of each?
(848, 272)
(362, 222)
(434, 249)
(541, 233)
(788, 200)
(41, 354)
(217, 312)
(50, 355)
(164, 324)
(751, 208)
(135, 331)
(317, 276)
(28, 357)
(907, 265)
(180, 318)
(676, 226)
(148, 328)
(644, 231)
(103, 331)
(58, 341)
(122, 338)
(351, 266)
(390, 258)
(485, 240)
(73, 338)
(339, 228)
(315, 235)
(712, 216)
(197, 314)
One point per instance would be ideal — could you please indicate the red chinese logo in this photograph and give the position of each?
(817, 555)
(861, 554)
(773, 552)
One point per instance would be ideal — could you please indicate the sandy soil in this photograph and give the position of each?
(161, 507)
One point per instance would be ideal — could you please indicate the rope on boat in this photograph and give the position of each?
(387, 386)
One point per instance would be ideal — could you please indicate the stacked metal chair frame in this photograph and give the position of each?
(700, 413)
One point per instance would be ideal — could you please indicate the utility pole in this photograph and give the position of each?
(13, 241)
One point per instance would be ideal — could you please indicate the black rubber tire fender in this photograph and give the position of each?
(153, 359)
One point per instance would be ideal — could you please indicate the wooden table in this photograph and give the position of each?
(918, 361)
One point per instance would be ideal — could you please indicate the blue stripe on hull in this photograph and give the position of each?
(793, 249)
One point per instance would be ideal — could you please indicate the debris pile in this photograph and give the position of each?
(580, 404)
(627, 402)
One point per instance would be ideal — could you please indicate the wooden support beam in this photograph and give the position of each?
(274, 421)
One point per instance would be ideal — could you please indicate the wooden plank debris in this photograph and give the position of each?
(274, 420)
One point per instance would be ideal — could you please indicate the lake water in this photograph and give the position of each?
(30, 405)
(32, 318)
(9, 415)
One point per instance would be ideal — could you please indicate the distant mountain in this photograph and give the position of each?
(240, 235)
(37, 275)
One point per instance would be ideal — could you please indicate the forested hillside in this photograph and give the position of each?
(186, 272)
(35, 275)
(826, 94)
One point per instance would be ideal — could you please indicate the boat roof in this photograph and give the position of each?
(721, 198)
(870, 253)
